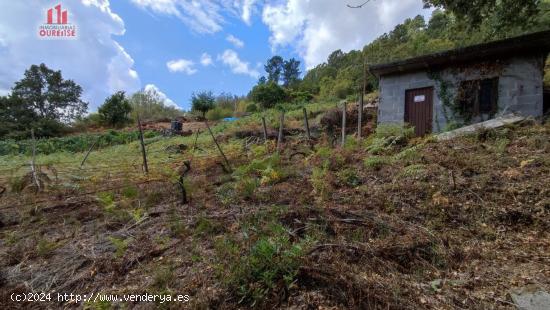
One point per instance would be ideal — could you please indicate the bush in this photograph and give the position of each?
(252, 108)
(115, 111)
(376, 162)
(270, 264)
(268, 95)
(218, 113)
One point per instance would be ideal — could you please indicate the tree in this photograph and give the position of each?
(506, 12)
(268, 95)
(42, 101)
(47, 94)
(291, 72)
(202, 102)
(150, 105)
(115, 110)
(274, 68)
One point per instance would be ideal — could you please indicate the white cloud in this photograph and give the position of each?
(204, 16)
(94, 60)
(231, 59)
(181, 65)
(235, 41)
(248, 7)
(206, 59)
(317, 28)
(162, 96)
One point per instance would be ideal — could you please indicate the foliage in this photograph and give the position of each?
(79, 143)
(268, 95)
(120, 245)
(151, 106)
(505, 13)
(274, 68)
(291, 72)
(272, 261)
(251, 108)
(114, 112)
(42, 100)
(376, 162)
(218, 113)
(202, 102)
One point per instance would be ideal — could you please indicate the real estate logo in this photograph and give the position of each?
(57, 25)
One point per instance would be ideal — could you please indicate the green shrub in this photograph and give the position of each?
(376, 162)
(218, 113)
(252, 108)
(271, 263)
(121, 245)
(349, 177)
(45, 247)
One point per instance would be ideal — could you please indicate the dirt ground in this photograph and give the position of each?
(416, 225)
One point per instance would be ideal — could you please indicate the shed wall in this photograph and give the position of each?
(520, 89)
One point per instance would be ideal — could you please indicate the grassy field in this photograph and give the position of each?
(391, 221)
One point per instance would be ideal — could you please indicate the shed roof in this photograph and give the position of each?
(534, 43)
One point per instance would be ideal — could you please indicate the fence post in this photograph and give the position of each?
(360, 117)
(362, 101)
(344, 123)
(145, 166)
(265, 129)
(89, 151)
(306, 122)
(33, 167)
(281, 127)
(218, 146)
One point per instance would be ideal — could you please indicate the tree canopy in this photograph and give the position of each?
(43, 101)
(203, 101)
(116, 109)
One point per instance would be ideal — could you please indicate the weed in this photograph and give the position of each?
(206, 226)
(10, 238)
(410, 154)
(45, 247)
(320, 182)
(163, 277)
(130, 192)
(414, 171)
(246, 186)
(269, 263)
(121, 245)
(376, 162)
(349, 177)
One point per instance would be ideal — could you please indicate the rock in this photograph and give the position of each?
(531, 298)
(490, 124)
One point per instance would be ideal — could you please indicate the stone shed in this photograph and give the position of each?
(447, 90)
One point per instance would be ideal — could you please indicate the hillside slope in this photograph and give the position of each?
(391, 222)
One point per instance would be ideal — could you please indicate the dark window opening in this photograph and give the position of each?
(478, 97)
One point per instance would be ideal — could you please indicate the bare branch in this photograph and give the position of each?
(358, 6)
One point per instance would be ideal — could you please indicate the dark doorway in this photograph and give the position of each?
(419, 110)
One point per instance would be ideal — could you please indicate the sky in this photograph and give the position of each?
(178, 47)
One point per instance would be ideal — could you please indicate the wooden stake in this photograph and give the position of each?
(306, 122)
(265, 129)
(362, 101)
(344, 123)
(281, 127)
(33, 167)
(89, 151)
(219, 148)
(145, 166)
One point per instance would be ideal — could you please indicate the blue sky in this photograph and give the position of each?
(180, 46)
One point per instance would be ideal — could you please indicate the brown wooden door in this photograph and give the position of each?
(419, 110)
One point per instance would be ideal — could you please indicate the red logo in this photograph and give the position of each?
(61, 16)
(57, 25)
